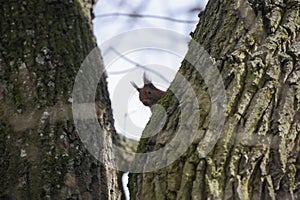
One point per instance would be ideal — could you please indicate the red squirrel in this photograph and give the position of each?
(149, 94)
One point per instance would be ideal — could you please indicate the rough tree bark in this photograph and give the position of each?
(43, 44)
(256, 47)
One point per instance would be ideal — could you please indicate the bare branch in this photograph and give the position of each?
(138, 66)
(133, 15)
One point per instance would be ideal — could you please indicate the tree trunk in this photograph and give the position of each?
(255, 45)
(43, 44)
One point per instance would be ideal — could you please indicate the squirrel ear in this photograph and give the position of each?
(135, 86)
(146, 79)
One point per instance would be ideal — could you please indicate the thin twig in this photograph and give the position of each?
(146, 16)
(139, 65)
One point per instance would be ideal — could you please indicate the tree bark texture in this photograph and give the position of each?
(43, 44)
(256, 47)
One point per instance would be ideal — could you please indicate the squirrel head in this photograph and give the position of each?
(148, 94)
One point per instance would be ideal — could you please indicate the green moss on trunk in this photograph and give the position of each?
(43, 44)
(255, 45)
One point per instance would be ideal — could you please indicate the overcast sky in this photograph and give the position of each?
(130, 114)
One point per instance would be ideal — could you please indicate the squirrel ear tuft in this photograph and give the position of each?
(146, 79)
(134, 85)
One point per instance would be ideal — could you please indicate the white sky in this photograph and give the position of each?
(132, 120)
(130, 114)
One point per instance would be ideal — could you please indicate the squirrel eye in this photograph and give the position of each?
(149, 92)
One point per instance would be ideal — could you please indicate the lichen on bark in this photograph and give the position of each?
(43, 44)
(255, 45)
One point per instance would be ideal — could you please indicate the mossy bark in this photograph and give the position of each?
(42, 46)
(256, 47)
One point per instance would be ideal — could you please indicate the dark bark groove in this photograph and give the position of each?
(42, 45)
(255, 45)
